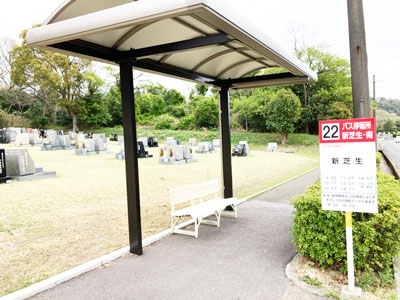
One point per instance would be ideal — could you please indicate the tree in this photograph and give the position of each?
(389, 126)
(250, 110)
(206, 112)
(96, 108)
(321, 99)
(282, 112)
(55, 79)
(6, 45)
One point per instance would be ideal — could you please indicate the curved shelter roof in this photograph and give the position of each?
(204, 41)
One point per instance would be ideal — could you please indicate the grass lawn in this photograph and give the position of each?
(51, 225)
(256, 139)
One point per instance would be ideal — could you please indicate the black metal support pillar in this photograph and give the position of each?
(225, 132)
(131, 160)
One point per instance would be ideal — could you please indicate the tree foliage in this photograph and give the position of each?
(282, 112)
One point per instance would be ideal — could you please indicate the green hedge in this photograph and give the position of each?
(320, 235)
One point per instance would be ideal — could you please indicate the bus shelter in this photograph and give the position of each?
(202, 41)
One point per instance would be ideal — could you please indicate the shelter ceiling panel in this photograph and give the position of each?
(75, 8)
(199, 25)
(158, 33)
(235, 44)
(107, 38)
(190, 59)
(220, 63)
(243, 70)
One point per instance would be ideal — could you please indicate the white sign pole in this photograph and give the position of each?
(350, 256)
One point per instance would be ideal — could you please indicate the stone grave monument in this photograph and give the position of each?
(11, 135)
(101, 136)
(176, 155)
(121, 154)
(216, 143)
(22, 139)
(140, 150)
(144, 140)
(192, 142)
(272, 147)
(100, 146)
(241, 149)
(87, 147)
(152, 142)
(20, 166)
(34, 139)
(114, 137)
(66, 142)
(205, 147)
(52, 141)
(3, 136)
(3, 171)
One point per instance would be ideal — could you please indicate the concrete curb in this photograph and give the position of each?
(95, 263)
(290, 272)
(396, 267)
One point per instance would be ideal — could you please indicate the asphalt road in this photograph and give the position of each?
(392, 151)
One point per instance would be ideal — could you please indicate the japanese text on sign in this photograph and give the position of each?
(348, 168)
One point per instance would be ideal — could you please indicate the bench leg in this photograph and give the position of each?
(231, 213)
(196, 227)
(218, 215)
(234, 206)
(173, 223)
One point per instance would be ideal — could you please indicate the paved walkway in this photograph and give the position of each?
(244, 259)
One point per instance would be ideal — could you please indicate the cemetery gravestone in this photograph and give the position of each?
(22, 139)
(101, 136)
(121, 154)
(90, 145)
(11, 136)
(3, 136)
(34, 139)
(205, 147)
(192, 142)
(246, 147)
(19, 162)
(99, 145)
(272, 147)
(144, 141)
(141, 152)
(238, 150)
(152, 141)
(3, 172)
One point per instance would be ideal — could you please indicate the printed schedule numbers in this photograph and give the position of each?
(348, 168)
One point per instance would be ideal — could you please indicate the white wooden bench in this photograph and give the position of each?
(198, 201)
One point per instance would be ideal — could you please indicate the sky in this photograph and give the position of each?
(316, 22)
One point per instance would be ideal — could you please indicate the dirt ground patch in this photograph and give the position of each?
(51, 225)
(330, 282)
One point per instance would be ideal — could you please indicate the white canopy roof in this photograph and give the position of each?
(204, 41)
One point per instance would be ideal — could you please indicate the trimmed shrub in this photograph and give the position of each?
(165, 121)
(320, 234)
